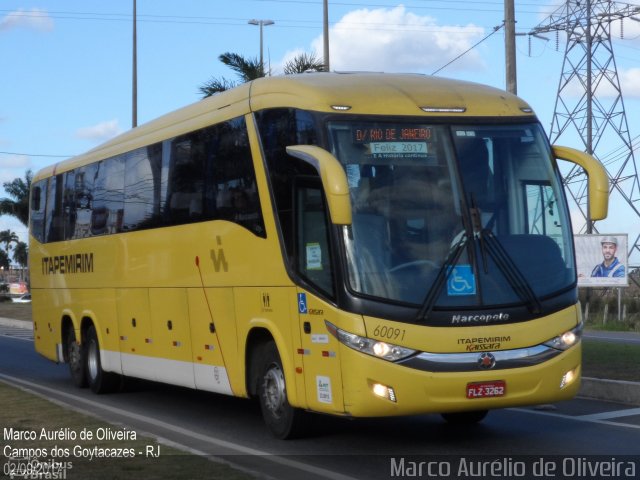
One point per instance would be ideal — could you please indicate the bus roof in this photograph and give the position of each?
(357, 93)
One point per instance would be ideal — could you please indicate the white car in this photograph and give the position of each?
(26, 298)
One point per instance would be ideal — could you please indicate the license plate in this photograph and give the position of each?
(497, 388)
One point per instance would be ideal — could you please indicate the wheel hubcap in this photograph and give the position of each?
(274, 390)
(92, 360)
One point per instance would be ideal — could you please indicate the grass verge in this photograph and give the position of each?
(17, 311)
(132, 455)
(610, 360)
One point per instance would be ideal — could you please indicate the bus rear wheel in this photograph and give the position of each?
(77, 358)
(99, 380)
(465, 418)
(283, 420)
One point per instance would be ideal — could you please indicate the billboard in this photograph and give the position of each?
(601, 260)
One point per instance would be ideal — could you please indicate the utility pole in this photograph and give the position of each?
(510, 46)
(134, 80)
(325, 24)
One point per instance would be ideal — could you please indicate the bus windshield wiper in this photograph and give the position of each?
(441, 277)
(512, 273)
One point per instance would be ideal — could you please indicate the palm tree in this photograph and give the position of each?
(246, 68)
(18, 205)
(8, 237)
(21, 254)
(303, 63)
(251, 69)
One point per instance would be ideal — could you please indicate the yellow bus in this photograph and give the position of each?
(351, 244)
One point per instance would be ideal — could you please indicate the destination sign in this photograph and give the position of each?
(391, 134)
(394, 142)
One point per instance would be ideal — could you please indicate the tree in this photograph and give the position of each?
(18, 205)
(251, 69)
(246, 69)
(4, 262)
(303, 63)
(21, 254)
(8, 237)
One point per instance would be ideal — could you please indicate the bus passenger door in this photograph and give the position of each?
(172, 335)
(321, 366)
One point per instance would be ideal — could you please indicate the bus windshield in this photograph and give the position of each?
(469, 216)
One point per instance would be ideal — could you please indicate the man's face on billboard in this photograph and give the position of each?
(609, 251)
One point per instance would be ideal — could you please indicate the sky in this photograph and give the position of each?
(66, 65)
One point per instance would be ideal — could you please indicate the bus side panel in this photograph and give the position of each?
(171, 335)
(47, 324)
(135, 337)
(216, 369)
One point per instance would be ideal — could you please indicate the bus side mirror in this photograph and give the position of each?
(334, 180)
(598, 179)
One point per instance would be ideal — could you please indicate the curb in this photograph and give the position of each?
(618, 391)
(10, 322)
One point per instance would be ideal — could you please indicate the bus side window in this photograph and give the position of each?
(54, 213)
(231, 167)
(38, 202)
(313, 254)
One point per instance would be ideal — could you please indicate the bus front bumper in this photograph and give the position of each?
(374, 387)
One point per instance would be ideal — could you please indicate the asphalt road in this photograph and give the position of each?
(565, 435)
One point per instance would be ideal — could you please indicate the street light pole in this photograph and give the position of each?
(261, 23)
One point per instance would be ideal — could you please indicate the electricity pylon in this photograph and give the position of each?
(590, 104)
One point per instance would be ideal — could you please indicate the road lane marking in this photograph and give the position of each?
(581, 418)
(16, 332)
(239, 449)
(615, 414)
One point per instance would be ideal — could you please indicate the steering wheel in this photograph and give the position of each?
(413, 263)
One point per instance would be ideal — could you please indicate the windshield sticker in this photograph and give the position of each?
(314, 256)
(461, 281)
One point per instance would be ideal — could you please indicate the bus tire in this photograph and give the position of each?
(99, 380)
(77, 358)
(465, 418)
(283, 420)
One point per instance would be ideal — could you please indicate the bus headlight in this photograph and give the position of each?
(567, 339)
(375, 348)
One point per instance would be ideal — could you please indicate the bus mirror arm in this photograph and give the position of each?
(598, 179)
(334, 180)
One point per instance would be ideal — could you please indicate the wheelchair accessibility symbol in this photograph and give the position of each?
(461, 281)
(302, 302)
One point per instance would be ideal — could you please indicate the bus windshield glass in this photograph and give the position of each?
(471, 216)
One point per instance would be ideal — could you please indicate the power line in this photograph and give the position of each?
(495, 29)
(19, 154)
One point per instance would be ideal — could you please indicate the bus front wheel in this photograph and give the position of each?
(283, 420)
(99, 380)
(77, 358)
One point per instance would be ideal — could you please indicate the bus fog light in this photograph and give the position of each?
(384, 391)
(568, 378)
